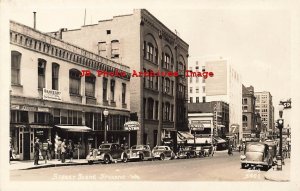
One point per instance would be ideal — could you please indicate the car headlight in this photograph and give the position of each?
(243, 157)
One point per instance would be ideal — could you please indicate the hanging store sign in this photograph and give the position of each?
(132, 125)
(52, 95)
(286, 104)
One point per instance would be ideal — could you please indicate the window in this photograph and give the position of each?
(156, 82)
(167, 85)
(149, 52)
(41, 118)
(75, 79)
(55, 73)
(167, 112)
(197, 89)
(156, 110)
(191, 89)
(172, 112)
(191, 99)
(203, 89)
(191, 79)
(101, 48)
(150, 108)
(203, 99)
(112, 90)
(15, 67)
(172, 87)
(18, 116)
(167, 61)
(108, 31)
(90, 85)
(245, 108)
(104, 96)
(197, 99)
(123, 93)
(56, 116)
(203, 80)
(41, 73)
(115, 49)
(245, 101)
(245, 119)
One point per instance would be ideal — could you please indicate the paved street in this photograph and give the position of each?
(221, 167)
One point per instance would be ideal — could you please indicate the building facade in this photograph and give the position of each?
(264, 105)
(141, 41)
(224, 86)
(49, 97)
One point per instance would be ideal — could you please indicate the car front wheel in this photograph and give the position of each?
(106, 159)
(125, 158)
(141, 157)
(162, 157)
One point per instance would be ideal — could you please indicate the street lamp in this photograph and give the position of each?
(105, 113)
(280, 124)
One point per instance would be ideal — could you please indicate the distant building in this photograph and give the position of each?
(264, 105)
(50, 98)
(144, 43)
(224, 86)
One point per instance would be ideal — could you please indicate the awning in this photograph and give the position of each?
(201, 140)
(185, 135)
(219, 140)
(75, 128)
(40, 127)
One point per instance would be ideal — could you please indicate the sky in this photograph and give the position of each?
(256, 39)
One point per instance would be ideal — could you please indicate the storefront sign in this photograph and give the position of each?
(43, 109)
(132, 125)
(28, 108)
(14, 107)
(52, 95)
(196, 125)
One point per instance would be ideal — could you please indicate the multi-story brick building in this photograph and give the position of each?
(142, 42)
(249, 125)
(49, 96)
(264, 105)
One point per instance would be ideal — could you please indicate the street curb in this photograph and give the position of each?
(54, 165)
(276, 180)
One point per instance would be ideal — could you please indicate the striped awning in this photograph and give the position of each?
(74, 128)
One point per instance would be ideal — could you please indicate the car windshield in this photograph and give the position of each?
(255, 148)
(160, 148)
(104, 147)
(137, 147)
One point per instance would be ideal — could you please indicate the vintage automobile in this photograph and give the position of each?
(139, 152)
(163, 152)
(186, 152)
(107, 153)
(256, 154)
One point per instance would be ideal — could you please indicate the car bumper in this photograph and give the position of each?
(259, 163)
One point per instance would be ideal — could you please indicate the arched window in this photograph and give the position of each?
(245, 118)
(55, 75)
(15, 67)
(90, 85)
(75, 79)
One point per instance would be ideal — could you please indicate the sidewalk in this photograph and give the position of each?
(26, 165)
(280, 176)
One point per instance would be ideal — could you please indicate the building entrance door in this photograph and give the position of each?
(26, 155)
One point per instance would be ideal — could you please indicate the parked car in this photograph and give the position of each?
(139, 152)
(107, 153)
(163, 152)
(186, 152)
(256, 154)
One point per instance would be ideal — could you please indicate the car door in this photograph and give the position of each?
(168, 151)
(147, 151)
(114, 151)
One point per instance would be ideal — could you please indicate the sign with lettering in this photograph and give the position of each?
(53, 95)
(132, 125)
(286, 104)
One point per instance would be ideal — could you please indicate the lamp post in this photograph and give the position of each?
(105, 113)
(280, 124)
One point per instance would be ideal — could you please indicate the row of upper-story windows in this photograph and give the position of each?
(198, 99)
(197, 89)
(74, 79)
(151, 54)
(151, 110)
(67, 55)
(103, 49)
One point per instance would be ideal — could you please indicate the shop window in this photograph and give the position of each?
(17, 116)
(41, 118)
(15, 67)
(197, 99)
(56, 116)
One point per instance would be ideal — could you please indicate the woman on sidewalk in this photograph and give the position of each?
(36, 151)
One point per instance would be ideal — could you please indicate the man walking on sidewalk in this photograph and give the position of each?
(36, 151)
(63, 151)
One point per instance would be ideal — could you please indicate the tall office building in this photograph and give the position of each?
(264, 105)
(224, 86)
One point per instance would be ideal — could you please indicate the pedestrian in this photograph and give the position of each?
(45, 151)
(58, 148)
(50, 149)
(36, 151)
(71, 149)
(63, 151)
